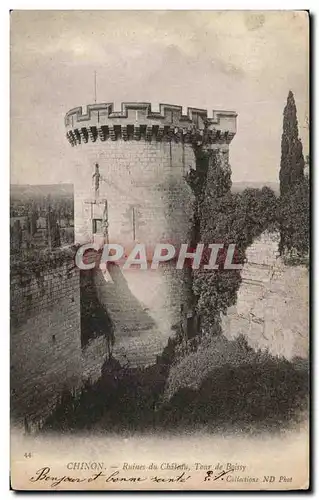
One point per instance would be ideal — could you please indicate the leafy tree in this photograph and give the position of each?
(295, 220)
(224, 217)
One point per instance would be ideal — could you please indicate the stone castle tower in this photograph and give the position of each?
(130, 187)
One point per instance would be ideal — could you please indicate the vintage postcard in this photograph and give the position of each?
(159, 217)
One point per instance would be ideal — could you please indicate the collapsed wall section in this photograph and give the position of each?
(272, 302)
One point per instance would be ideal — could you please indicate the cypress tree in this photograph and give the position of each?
(294, 189)
(292, 160)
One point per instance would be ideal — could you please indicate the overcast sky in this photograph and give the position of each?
(240, 61)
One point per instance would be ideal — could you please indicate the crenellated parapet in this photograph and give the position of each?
(137, 121)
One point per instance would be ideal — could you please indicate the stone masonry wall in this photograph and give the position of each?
(141, 331)
(148, 178)
(142, 158)
(45, 340)
(272, 303)
(46, 354)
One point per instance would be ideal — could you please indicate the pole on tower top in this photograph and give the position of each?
(95, 87)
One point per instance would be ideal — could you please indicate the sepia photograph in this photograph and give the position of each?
(159, 250)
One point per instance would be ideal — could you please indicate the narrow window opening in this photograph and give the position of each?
(97, 226)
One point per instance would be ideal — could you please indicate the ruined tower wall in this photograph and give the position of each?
(143, 157)
(147, 197)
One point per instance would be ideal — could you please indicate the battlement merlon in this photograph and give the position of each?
(139, 113)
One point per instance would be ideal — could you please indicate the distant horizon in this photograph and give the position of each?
(71, 184)
(240, 185)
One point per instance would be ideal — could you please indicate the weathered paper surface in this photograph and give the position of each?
(179, 359)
